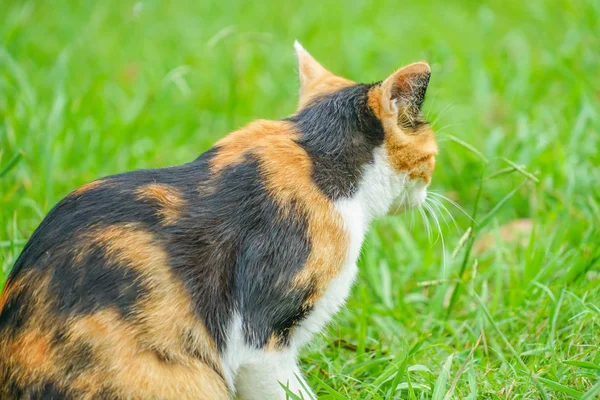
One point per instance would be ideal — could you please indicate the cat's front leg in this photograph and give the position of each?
(264, 378)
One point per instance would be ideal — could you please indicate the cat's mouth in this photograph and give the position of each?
(418, 198)
(413, 197)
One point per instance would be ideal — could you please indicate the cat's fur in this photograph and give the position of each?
(203, 281)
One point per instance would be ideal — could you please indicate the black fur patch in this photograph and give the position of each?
(49, 391)
(236, 250)
(114, 286)
(271, 255)
(33, 391)
(339, 132)
(76, 358)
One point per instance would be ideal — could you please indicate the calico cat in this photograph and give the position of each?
(203, 281)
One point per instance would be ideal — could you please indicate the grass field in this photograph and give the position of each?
(508, 306)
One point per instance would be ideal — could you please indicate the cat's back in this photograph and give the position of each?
(163, 201)
(140, 275)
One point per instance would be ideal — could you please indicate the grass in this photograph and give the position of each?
(89, 89)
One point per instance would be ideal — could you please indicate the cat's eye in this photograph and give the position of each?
(404, 120)
(410, 122)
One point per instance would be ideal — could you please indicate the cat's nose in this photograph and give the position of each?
(426, 169)
(431, 163)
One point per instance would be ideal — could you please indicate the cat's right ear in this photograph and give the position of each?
(310, 71)
(404, 91)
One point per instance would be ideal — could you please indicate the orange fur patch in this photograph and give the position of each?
(32, 350)
(168, 198)
(273, 344)
(232, 148)
(137, 372)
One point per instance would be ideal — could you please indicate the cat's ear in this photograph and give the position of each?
(309, 69)
(404, 91)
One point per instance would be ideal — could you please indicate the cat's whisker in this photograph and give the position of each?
(441, 207)
(429, 210)
(453, 203)
(426, 221)
(441, 234)
(440, 130)
(446, 109)
(450, 215)
(431, 202)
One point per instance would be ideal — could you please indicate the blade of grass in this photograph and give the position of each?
(552, 336)
(440, 384)
(557, 387)
(521, 169)
(411, 390)
(461, 242)
(469, 147)
(472, 378)
(11, 164)
(397, 378)
(397, 366)
(500, 172)
(582, 364)
(330, 391)
(487, 217)
(289, 395)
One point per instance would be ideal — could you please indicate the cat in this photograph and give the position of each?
(204, 280)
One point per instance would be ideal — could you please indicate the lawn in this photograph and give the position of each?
(506, 305)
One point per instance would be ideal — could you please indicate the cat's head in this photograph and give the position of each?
(377, 128)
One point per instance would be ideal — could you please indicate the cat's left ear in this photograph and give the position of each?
(404, 90)
(309, 69)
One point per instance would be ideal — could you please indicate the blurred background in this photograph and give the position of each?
(503, 305)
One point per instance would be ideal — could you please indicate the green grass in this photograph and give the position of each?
(89, 89)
